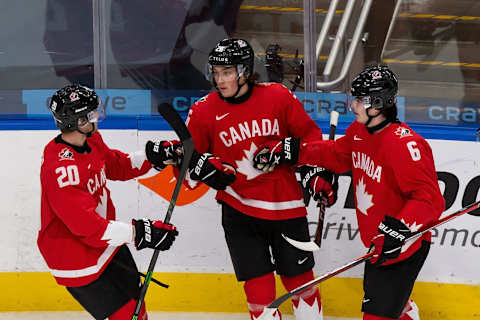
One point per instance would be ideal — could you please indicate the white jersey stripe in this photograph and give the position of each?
(86, 271)
(267, 205)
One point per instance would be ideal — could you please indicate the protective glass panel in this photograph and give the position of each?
(45, 44)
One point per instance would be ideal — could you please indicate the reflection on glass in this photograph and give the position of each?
(163, 44)
(42, 41)
(68, 39)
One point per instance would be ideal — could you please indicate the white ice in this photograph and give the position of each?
(151, 316)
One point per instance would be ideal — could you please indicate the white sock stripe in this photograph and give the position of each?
(255, 307)
(306, 294)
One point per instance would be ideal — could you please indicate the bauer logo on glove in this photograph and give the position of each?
(320, 183)
(212, 171)
(275, 152)
(154, 234)
(387, 244)
(163, 153)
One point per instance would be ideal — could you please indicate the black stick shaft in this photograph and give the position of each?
(177, 124)
(322, 202)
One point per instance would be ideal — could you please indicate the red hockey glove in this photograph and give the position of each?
(388, 243)
(162, 153)
(154, 234)
(211, 170)
(276, 152)
(320, 183)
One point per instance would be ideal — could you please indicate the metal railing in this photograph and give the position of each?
(99, 44)
(339, 38)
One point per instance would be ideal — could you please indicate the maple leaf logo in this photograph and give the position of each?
(364, 200)
(101, 209)
(306, 311)
(274, 315)
(245, 166)
(414, 227)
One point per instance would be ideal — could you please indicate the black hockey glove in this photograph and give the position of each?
(162, 153)
(276, 152)
(388, 243)
(320, 183)
(154, 234)
(211, 170)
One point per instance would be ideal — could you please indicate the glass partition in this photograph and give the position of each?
(434, 49)
(155, 51)
(45, 44)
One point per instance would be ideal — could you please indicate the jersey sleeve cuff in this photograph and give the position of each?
(137, 158)
(118, 233)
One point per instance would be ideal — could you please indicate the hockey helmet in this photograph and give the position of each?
(75, 105)
(376, 87)
(232, 52)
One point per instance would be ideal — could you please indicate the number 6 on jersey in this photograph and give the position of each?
(414, 151)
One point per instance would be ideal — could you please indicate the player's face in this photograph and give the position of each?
(226, 79)
(358, 108)
(88, 124)
(361, 113)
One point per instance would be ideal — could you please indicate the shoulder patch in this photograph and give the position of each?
(65, 154)
(403, 132)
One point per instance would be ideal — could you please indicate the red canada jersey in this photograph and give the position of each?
(76, 207)
(393, 173)
(234, 132)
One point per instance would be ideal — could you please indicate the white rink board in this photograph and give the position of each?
(201, 246)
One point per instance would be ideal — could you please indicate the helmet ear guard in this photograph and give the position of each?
(381, 102)
(243, 70)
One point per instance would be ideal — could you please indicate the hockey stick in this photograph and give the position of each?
(127, 268)
(317, 242)
(322, 202)
(272, 307)
(177, 124)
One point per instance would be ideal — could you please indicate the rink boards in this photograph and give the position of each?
(198, 267)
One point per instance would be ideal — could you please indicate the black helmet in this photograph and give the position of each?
(71, 103)
(232, 52)
(379, 84)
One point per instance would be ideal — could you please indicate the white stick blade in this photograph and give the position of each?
(305, 246)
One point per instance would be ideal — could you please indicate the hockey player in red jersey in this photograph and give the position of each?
(396, 190)
(80, 240)
(227, 126)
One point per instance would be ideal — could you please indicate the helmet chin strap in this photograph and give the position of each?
(234, 99)
(377, 127)
(239, 86)
(89, 133)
